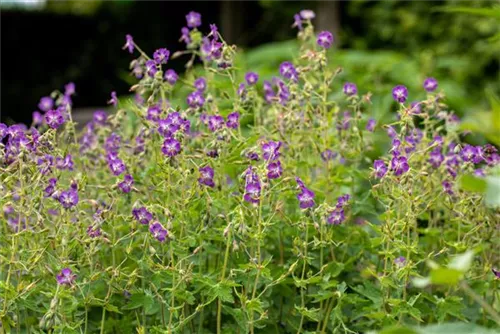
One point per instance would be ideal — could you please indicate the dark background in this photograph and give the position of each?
(81, 41)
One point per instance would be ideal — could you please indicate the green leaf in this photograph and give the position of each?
(112, 308)
(462, 262)
(445, 276)
(223, 292)
(312, 313)
(492, 197)
(255, 305)
(456, 328)
(472, 183)
(139, 299)
(445, 328)
(489, 12)
(334, 268)
(398, 330)
(238, 316)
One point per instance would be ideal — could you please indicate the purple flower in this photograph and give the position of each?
(253, 156)
(214, 31)
(138, 71)
(370, 125)
(242, 91)
(3, 130)
(496, 272)
(215, 122)
(345, 121)
(325, 39)
(68, 198)
(490, 154)
(100, 117)
(430, 84)
(399, 165)
(350, 89)
(270, 150)
(116, 166)
(37, 119)
(400, 261)
(185, 37)
(127, 183)
(206, 176)
(233, 120)
(94, 231)
(252, 186)
(288, 71)
(193, 19)
(436, 158)
(129, 43)
(307, 14)
(211, 49)
(274, 170)
(171, 147)
(185, 126)
(447, 187)
(114, 99)
(151, 68)
(164, 128)
(480, 172)
(300, 183)
(400, 93)
(252, 192)
(112, 143)
(161, 56)
(46, 103)
(51, 188)
(306, 198)
(171, 77)
(342, 201)
(336, 217)
(251, 78)
(142, 215)
(213, 153)
(54, 118)
(391, 132)
(469, 153)
(65, 163)
(328, 155)
(153, 113)
(297, 21)
(69, 89)
(195, 99)
(158, 231)
(415, 108)
(45, 164)
(200, 84)
(66, 277)
(438, 140)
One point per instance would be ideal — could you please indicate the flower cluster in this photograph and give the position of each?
(105, 199)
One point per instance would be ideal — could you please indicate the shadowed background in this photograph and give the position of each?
(46, 44)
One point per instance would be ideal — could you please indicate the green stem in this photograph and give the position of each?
(302, 293)
(494, 314)
(226, 257)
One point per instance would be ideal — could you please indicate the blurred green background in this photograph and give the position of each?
(46, 44)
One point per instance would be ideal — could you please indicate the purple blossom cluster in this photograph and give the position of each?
(143, 216)
(103, 144)
(337, 215)
(305, 196)
(252, 186)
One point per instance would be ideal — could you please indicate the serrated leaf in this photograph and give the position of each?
(312, 313)
(112, 308)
